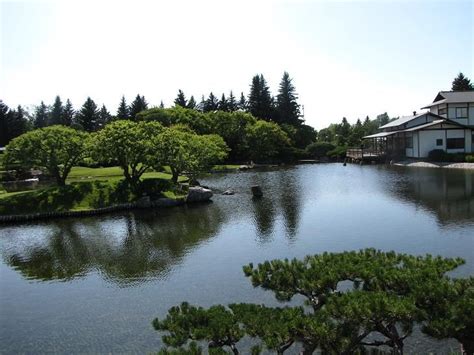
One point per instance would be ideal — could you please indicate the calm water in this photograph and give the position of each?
(95, 284)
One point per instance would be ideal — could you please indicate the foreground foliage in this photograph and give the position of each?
(353, 300)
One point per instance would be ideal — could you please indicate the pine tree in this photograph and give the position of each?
(288, 109)
(4, 126)
(56, 112)
(104, 117)
(67, 114)
(223, 104)
(191, 103)
(41, 116)
(18, 122)
(123, 111)
(202, 104)
(162, 105)
(242, 105)
(88, 116)
(232, 102)
(211, 104)
(138, 105)
(180, 99)
(462, 83)
(260, 102)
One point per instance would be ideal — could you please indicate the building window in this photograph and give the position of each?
(461, 112)
(409, 142)
(442, 111)
(455, 143)
(439, 142)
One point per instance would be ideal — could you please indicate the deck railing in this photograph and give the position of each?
(361, 153)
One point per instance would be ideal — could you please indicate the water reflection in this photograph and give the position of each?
(126, 249)
(448, 193)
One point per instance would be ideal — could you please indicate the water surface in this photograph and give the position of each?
(94, 284)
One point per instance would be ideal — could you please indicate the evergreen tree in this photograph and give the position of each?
(104, 117)
(343, 131)
(55, 116)
(67, 114)
(260, 103)
(162, 105)
(201, 104)
(462, 83)
(211, 104)
(138, 105)
(232, 102)
(288, 109)
(88, 116)
(180, 99)
(13, 123)
(4, 126)
(41, 116)
(191, 103)
(123, 112)
(242, 105)
(223, 104)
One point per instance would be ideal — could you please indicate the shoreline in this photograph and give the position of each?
(440, 165)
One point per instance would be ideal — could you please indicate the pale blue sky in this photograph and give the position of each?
(347, 58)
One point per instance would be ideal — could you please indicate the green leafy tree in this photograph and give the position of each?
(88, 116)
(56, 148)
(123, 111)
(260, 102)
(131, 145)
(41, 116)
(320, 149)
(265, 140)
(67, 115)
(304, 136)
(462, 83)
(181, 99)
(138, 105)
(288, 109)
(343, 130)
(357, 132)
(55, 115)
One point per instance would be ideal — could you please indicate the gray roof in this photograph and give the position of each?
(402, 120)
(448, 97)
(381, 134)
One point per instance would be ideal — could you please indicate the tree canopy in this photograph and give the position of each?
(462, 83)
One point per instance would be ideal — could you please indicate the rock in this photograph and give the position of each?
(228, 192)
(257, 191)
(144, 202)
(198, 194)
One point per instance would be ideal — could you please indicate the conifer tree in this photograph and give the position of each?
(242, 105)
(104, 117)
(223, 104)
(180, 99)
(232, 104)
(67, 115)
(162, 105)
(288, 109)
(123, 112)
(260, 103)
(211, 104)
(88, 116)
(4, 109)
(55, 116)
(191, 103)
(138, 105)
(13, 123)
(462, 83)
(201, 104)
(41, 116)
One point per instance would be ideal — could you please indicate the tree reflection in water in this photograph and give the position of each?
(126, 248)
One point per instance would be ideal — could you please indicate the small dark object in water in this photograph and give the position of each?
(228, 192)
(257, 191)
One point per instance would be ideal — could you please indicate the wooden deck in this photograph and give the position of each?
(361, 154)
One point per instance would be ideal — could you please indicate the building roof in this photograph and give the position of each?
(381, 134)
(448, 97)
(404, 119)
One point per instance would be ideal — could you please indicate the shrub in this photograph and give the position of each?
(320, 149)
(470, 158)
(437, 155)
(338, 153)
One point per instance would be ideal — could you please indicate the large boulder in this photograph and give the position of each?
(198, 194)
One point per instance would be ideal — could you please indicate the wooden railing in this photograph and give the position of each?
(361, 153)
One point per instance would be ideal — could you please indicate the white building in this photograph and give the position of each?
(448, 125)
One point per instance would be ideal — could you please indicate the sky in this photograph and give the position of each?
(347, 58)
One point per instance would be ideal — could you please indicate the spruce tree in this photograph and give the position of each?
(232, 104)
(18, 123)
(4, 126)
(202, 104)
(138, 105)
(67, 114)
(88, 116)
(180, 99)
(191, 103)
(162, 105)
(55, 116)
(260, 102)
(288, 109)
(462, 83)
(223, 104)
(41, 116)
(123, 111)
(211, 104)
(104, 117)
(242, 105)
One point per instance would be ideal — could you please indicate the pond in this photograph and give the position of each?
(95, 284)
